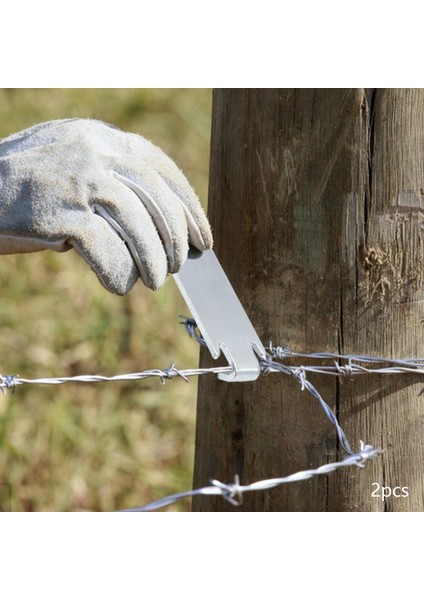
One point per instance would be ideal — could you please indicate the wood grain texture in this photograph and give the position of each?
(316, 202)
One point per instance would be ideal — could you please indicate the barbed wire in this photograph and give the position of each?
(343, 365)
(271, 366)
(233, 492)
(12, 381)
(354, 364)
(350, 369)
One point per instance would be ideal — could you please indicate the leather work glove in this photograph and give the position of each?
(116, 198)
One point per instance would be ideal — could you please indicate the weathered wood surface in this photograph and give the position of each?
(316, 201)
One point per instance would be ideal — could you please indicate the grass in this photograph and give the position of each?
(97, 446)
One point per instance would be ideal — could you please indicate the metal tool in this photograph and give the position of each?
(220, 316)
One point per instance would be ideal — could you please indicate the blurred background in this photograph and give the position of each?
(103, 446)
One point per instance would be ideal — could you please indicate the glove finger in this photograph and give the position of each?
(197, 222)
(166, 212)
(107, 255)
(121, 208)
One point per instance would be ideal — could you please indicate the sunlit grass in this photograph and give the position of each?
(97, 446)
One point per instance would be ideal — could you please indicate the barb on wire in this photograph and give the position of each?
(7, 382)
(355, 364)
(233, 492)
(269, 366)
(342, 365)
(11, 381)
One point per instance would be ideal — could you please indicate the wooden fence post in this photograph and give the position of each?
(316, 202)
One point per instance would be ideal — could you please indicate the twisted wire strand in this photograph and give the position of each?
(355, 365)
(233, 492)
(355, 362)
(12, 381)
(343, 365)
(270, 365)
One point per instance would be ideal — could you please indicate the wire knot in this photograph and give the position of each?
(366, 452)
(7, 382)
(170, 373)
(266, 365)
(345, 370)
(232, 492)
(299, 373)
(279, 351)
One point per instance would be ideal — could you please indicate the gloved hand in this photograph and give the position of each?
(116, 198)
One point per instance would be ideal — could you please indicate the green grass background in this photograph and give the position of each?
(103, 446)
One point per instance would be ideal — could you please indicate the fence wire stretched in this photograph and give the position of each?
(343, 365)
(233, 492)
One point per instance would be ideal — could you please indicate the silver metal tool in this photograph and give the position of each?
(220, 316)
